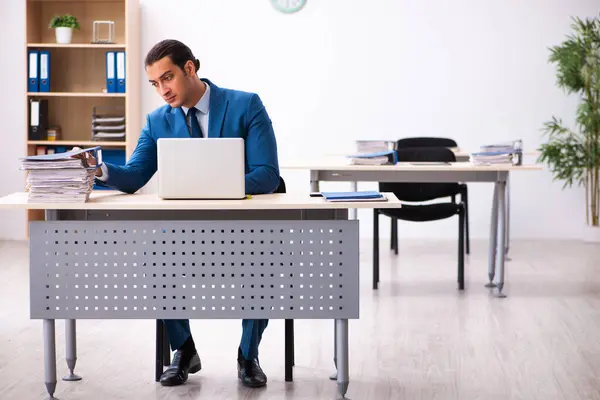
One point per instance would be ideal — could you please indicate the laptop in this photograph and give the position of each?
(207, 168)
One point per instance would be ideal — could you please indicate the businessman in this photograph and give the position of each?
(198, 108)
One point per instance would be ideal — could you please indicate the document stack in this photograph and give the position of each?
(108, 124)
(378, 158)
(374, 146)
(59, 178)
(502, 153)
(374, 152)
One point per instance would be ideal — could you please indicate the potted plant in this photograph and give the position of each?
(64, 24)
(574, 155)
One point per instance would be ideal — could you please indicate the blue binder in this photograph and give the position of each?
(354, 196)
(33, 83)
(44, 71)
(121, 78)
(111, 78)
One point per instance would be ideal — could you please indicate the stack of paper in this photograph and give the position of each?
(500, 153)
(55, 178)
(108, 123)
(374, 146)
(492, 157)
(376, 158)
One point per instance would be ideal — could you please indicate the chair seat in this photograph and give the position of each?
(422, 213)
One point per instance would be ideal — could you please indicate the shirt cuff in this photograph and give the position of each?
(104, 176)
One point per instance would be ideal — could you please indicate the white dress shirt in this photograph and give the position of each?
(203, 107)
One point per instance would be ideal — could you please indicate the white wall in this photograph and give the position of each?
(342, 70)
(13, 69)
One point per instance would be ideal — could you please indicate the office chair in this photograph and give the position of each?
(462, 190)
(411, 194)
(163, 351)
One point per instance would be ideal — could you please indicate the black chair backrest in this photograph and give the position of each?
(281, 188)
(425, 141)
(416, 191)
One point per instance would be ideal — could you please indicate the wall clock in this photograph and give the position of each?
(288, 6)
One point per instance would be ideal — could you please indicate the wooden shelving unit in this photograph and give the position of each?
(76, 45)
(75, 94)
(74, 143)
(78, 71)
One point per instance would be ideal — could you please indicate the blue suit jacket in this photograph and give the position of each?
(232, 113)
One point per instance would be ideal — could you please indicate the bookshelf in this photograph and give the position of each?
(78, 74)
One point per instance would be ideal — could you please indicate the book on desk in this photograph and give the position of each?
(354, 196)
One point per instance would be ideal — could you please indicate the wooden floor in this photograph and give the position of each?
(417, 338)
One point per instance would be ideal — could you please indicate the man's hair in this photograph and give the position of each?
(178, 52)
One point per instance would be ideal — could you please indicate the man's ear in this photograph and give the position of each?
(189, 68)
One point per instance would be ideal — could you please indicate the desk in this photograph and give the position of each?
(340, 159)
(284, 256)
(464, 156)
(337, 169)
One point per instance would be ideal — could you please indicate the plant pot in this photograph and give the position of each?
(591, 234)
(63, 35)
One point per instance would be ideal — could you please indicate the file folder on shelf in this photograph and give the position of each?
(111, 76)
(38, 119)
(354, 196)
(33, 84)
(121, 78)
(44, 71)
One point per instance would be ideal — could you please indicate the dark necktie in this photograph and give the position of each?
(194, 125)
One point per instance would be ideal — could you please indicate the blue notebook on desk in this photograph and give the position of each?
(354, 196)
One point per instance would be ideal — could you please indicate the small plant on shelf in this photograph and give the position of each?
(64, 25)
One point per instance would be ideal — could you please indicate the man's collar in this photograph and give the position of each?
(203, 104)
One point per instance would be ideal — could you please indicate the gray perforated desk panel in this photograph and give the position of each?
(250, 264)
(194, 269)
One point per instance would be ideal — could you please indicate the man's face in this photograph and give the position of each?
(170, 82)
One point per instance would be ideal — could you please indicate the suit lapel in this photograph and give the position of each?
(217, 110)
(176, 119)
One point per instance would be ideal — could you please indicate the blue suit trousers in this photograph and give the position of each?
(252, 330)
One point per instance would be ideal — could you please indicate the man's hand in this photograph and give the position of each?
(90, 159)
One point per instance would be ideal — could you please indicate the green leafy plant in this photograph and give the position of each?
(574, 156)
(64, 21)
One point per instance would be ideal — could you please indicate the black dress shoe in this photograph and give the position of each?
(182, 364)
(250, 373)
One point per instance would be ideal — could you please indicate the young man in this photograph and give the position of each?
(198, 108)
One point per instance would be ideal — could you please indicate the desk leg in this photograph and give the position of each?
(501, 235)
(289, 350)
(71, 349)
(50, 357)
(507, 237)
(353, 212)
(493, 239)
(333, 376)
(314, 181)
(343, 379)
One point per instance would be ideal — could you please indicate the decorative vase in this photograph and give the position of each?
(591, 234)
(63, 35)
